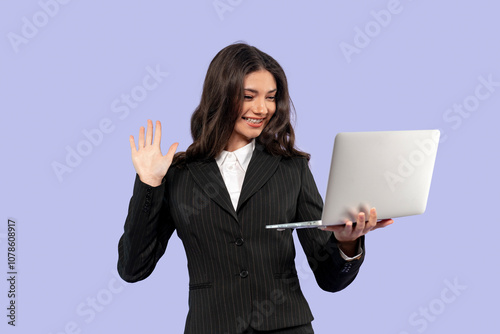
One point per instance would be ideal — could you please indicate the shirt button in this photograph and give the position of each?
(239, 242)
(243, 273)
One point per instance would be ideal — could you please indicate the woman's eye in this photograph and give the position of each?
(248, 97)
(272, 98)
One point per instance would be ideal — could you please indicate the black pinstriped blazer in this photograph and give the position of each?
(241, 274)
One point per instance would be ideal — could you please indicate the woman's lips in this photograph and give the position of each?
(254, 122)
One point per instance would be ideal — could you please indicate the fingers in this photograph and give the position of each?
(340, 229)
(354, 232)
(349, 233)
(348, 228)
(342, 232)
(363, 207)
(149, 133)
(351, 214)
(383, 223)
(171, 150)
(141, 137)
(361, 222)
(132, 144)
(372, 220)
(157, 139)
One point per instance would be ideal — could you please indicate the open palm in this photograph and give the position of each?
(149, 163)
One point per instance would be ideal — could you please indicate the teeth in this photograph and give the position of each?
(254, 121)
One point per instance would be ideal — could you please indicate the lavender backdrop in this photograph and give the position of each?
(69, 68)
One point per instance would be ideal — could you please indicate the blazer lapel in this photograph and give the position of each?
(207, 175)
(261, 167)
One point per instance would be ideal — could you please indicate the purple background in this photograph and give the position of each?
(417, 65)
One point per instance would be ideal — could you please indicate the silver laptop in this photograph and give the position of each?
(388, 170)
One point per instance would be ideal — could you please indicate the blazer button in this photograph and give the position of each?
(239, 242)
(243, 273)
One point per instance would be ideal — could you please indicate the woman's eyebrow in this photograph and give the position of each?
(255, 91)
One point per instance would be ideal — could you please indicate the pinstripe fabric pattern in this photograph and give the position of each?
(241, 274)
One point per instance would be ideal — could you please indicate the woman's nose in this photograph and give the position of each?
(259, 107)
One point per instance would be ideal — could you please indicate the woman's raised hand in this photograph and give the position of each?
(149, 163)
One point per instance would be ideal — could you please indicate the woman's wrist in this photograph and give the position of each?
(350, 248)
(151, 181)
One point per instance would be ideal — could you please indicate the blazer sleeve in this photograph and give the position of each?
(331, 271)
(148, 227)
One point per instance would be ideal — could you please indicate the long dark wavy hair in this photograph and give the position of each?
(213, 120)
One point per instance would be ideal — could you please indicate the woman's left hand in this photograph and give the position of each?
(348, 234)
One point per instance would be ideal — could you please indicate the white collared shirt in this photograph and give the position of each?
(233, 166)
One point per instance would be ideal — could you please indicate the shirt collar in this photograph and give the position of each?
(243, 155)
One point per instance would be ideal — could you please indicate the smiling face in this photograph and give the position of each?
(258, 107)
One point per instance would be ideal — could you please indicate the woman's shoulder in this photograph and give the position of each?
(296, 162)
(179, 161)
(286, 152)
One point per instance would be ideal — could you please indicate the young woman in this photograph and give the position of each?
(241, 172)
